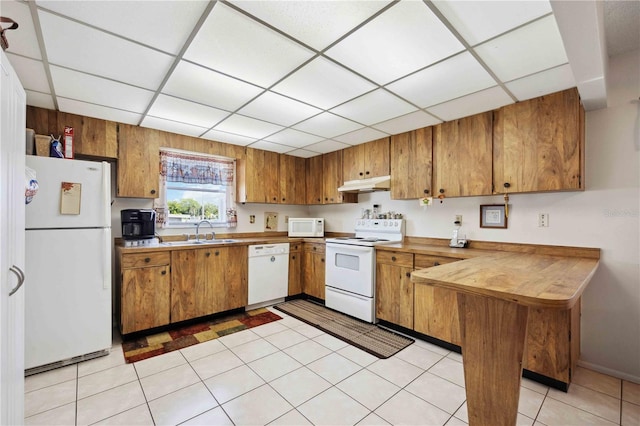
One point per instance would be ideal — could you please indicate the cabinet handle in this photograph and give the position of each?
(163, 273)
(147, 259)
(322, 260)
(319, 199)
(275, 199)
(441, 191)
(153, 191)
(208, 254)
(360, 173)
(393, 258)
(436, 263)
(426, 191)
(408, 274)
(507, 185)
(217, 253)
(293, 257)
(314, 248)
(326, 199)
(283, 199)
(367, 172)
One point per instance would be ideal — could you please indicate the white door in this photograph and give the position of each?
(12, 241)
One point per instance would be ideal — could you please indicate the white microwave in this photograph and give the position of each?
(306, 227)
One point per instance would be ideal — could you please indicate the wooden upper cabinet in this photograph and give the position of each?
(332, 179)
(138, 162)
(258, 177)
(92, 137)
(538, 145)
(292, 180)
(314, 180)
(462, 155)
(366, 160)
(411, 164)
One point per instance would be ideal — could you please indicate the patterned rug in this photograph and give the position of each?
(181, 337)
(368, 337)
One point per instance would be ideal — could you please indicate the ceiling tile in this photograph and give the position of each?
(172, 126)
(532, 48)
(368, 109)
(302, 153)
(187, 112)
(22, 40)
(98, 111)
(235, 44)
(89, 50)
(360, 136)
(95, 90)
(248, 127)
(315, 23)
(543, 83)
(40, 100)
(294, 138)
(143, 21)
(403, 39)
(412, 121)
(324, 84)
(477, 21)
(278, 109)
(31, 72)
(449, 79)
(218, 136)
(475, 103)
(270, 146)
(326, 146)
(327, 125)
(195, 83)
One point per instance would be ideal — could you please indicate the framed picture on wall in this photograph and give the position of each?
(492, 216)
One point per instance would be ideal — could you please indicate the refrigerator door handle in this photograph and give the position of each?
(20, 275)
(106, 255)
(106, 192)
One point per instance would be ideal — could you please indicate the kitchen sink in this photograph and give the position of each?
(199, 242)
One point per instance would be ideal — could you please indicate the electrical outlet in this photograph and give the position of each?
(458, 219)
(543, 220)
(286, 220)
(252, 218)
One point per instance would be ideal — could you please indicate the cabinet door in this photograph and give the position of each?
(411, 157)
(314, 270)
(292, 180)
(538, 145)
(462, 156)
(295, 269)
(138, 162)
(366, 160)
(229, 278)
(191, 294)
(260, 181)
(332, 179)
(314, 178)
(353, 162)
(394, 289)
(145, 298)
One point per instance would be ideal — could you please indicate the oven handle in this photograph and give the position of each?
(349, 247)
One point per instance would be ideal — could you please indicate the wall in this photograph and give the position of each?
(605, 215)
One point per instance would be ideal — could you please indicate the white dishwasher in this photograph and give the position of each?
(268, 272)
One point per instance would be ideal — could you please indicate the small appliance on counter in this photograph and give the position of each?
(456, 241)
(306, 227)
(138, 224)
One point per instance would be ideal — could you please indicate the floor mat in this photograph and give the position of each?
(182, 337)
(368, 337)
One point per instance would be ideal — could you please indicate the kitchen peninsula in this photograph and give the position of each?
(494, 295)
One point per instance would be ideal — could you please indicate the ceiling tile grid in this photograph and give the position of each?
(298, 77)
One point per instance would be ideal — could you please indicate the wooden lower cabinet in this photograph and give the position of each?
(313, 266)
(208, 280)
(295, 269)
(394, 289)
(144, 292)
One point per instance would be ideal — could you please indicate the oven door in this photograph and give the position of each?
(350, 268)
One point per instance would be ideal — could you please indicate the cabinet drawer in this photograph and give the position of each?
(427, 261)
(395, 258)
(314, 248)
(142, 260)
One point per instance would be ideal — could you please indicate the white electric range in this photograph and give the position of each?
(350, 271)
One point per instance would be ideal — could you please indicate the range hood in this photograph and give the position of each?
(381, 183)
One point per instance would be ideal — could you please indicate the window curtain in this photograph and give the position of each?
(192, 168)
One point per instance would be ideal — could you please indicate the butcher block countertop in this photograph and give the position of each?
(527, 279)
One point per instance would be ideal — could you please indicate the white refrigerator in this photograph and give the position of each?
(68, 263)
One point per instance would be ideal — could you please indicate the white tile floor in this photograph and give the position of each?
(288, 373)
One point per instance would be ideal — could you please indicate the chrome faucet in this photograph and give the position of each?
(213, 234)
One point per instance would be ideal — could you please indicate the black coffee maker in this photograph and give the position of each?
(138, 224)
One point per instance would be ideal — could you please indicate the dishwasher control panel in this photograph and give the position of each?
(268, 249)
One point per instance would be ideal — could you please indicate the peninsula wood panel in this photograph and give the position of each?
(462, 156)
(411, 164)
(538, 144)
(394, 289)
(92, 137)
(366, 160)
(314, 179)
(292, 180)
(138, 162)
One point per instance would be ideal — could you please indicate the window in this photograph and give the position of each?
(194, 187)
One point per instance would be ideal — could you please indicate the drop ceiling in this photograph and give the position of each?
(296, 77)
